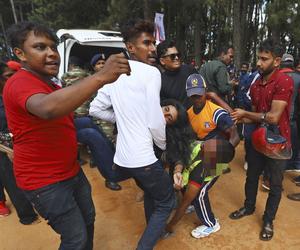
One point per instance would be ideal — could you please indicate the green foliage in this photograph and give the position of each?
(120, 11)
(198, 26)
(283, 22)
(69, 13)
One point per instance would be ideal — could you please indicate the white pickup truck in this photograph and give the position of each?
(86, 43)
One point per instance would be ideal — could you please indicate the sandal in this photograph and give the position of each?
(267, 232)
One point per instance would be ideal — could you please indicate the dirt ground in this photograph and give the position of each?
(120, 219)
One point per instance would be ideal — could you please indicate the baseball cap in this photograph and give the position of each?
(195, 85)
(96, 58)
(287, 58)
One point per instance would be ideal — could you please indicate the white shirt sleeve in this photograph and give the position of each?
(101, 106)
(155, 118)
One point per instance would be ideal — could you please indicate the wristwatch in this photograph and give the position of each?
(263, 117)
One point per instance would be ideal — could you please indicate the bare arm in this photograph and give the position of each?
(218, 100)
(271, 117)
(188, 197)
(64, 101)
(234, 138)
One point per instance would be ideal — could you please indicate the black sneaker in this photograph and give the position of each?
(113, 185)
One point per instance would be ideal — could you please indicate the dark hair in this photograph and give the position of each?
(3, 66)
(223, 49)
(17, 33)
(245, 63)
(270, 45)
(164, 46)
(179, 135)
(133, 28)
(2, 83)
(76, 61)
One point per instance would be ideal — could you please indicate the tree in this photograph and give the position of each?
(240, 8)
(69, 13)
(199, 27)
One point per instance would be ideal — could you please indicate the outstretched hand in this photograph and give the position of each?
(115, 66)
(237, 114)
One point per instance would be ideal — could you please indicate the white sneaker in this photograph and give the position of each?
(190, 209)
(204, 231)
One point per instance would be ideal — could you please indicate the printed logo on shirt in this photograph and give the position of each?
(206, 124)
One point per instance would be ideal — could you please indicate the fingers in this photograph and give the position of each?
(119, 58)
(121, 63)
(178, 181)
(115, 65)
(177, 187)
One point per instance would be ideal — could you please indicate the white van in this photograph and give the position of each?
(86, 43)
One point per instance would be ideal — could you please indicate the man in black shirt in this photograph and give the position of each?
(174, 73)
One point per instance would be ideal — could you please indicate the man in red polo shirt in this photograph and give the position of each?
(271, 100)
(39, 115)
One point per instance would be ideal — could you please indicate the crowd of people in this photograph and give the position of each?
(176, 129)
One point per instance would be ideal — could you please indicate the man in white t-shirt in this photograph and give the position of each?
(133, 102)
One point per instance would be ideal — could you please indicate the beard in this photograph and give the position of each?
(266, 72)
(198, 108)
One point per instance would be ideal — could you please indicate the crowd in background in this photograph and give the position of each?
(193, 118)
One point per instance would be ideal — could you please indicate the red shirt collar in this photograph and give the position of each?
(272, 77)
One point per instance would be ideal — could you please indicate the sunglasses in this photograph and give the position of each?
(172, 56)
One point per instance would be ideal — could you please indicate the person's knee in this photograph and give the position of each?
(251, 174)
(73, 230)
(169, 202)
(90, 216)
(76, 241)
(86, 203)
(81, 240)
(89, 136)
(93, 133)
(275, 186)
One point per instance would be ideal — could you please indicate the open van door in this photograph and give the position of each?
(86, 43)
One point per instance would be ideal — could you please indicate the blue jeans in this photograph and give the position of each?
(69, 209)
(101, 148)
(159, 199)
